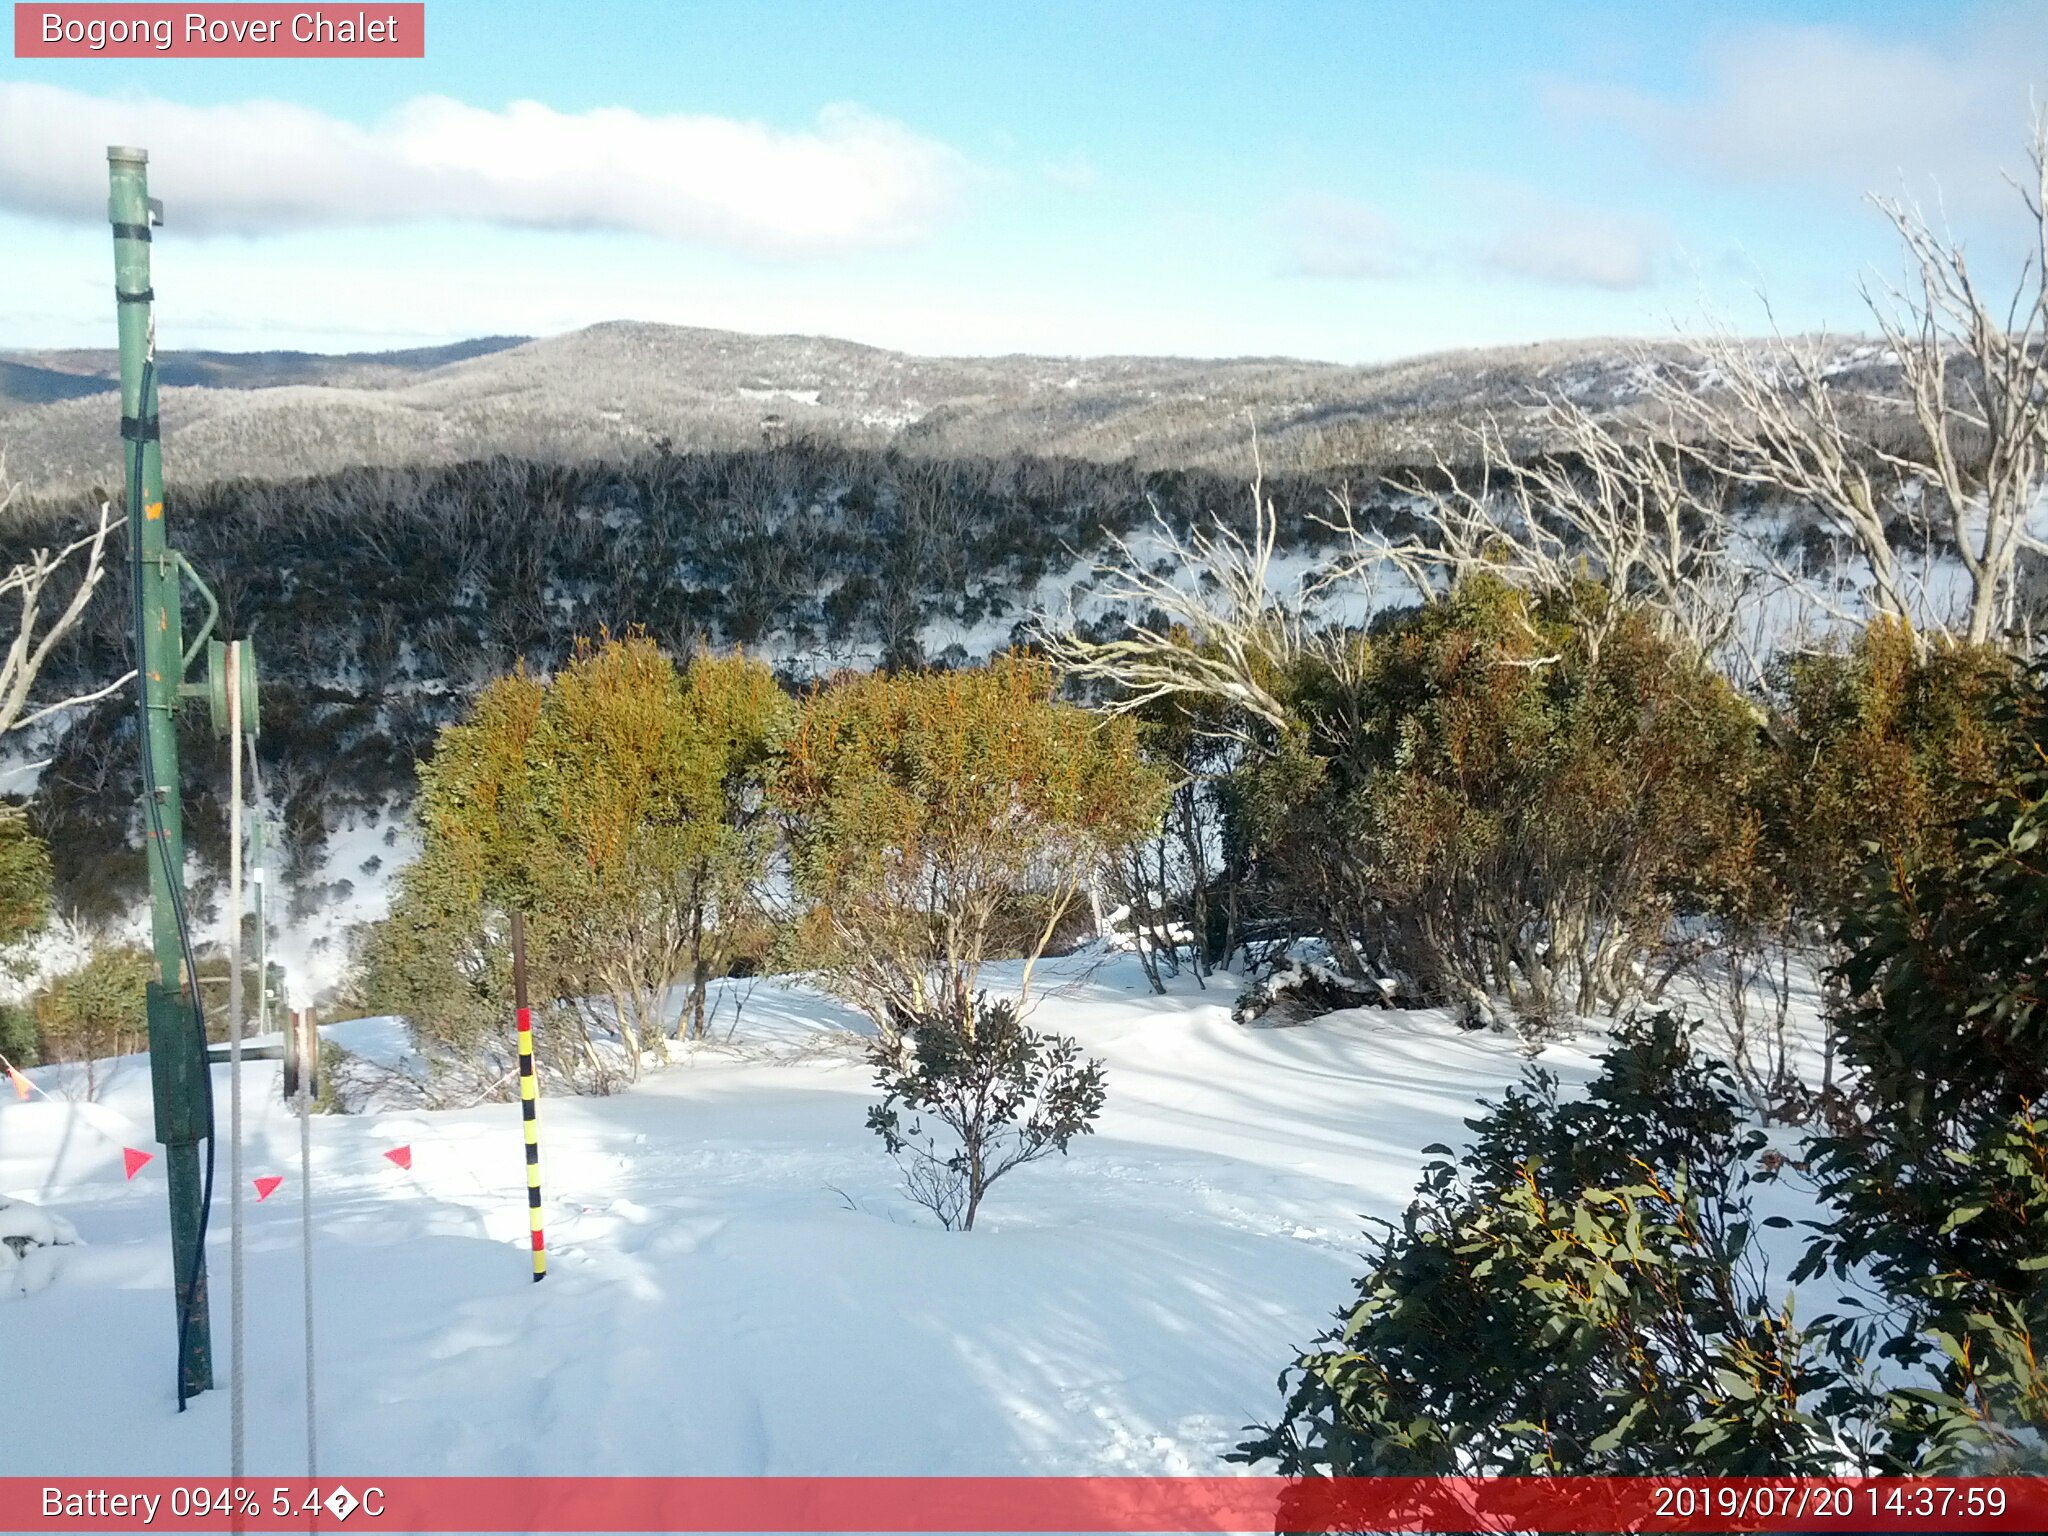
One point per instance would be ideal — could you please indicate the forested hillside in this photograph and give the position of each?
(818, 504)
(620, 389)
(380, 600)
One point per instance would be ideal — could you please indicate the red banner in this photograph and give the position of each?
(113, 31)
(1037, 1504)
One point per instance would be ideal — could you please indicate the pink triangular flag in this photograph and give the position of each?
(133, 1159)
(267, 1186)
(21, 1084)
(401, 1156)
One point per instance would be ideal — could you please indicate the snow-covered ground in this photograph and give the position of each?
(350, 884)
(353, 884)
(737, 1284)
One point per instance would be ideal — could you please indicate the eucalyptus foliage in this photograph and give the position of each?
(1578, 1293)
(969, 1097)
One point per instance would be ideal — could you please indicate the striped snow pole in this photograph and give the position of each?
(529, 1094)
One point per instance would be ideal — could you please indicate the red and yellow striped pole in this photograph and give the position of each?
(529, 1094)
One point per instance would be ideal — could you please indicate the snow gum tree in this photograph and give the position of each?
(1483, 802)
(620, 807)
(921, 807)
(45, 613)
(45, 616)
(1960, 463)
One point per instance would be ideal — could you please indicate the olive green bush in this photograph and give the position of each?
(1490, 802)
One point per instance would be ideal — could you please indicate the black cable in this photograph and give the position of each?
(188, 1292)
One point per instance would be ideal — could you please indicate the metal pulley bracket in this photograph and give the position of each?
(217, 685)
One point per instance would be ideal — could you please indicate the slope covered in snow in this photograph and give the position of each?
(738, 1285)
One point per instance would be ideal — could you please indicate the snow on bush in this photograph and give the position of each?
(31, 1244)
(1301, 989)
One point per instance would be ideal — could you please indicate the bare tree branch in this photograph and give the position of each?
(36, 635)
(1223, 634)
(1610, 517)
(1974, 419)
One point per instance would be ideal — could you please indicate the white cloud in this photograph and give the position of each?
(1826, 107)
(853, 180)
(1341, 237)
(1570, 247)
(1531, 237)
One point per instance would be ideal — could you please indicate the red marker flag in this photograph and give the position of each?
(21, 1084)
(133, 1159)
(267, 1186)
(401, 1156)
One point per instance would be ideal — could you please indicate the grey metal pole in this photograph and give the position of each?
(238, 1335)
(305, 1088)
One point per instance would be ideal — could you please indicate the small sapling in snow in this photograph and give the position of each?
(1007, 1095)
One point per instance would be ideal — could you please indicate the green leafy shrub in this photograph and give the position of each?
(1005, 1094)
(1576, 1294)
(1878, 748)
(1938, 1170)
(95, 1010)
(431, 962)
(925, 811)
(1503, 807)
(24, 878)
(18, 1035)
(621, 807)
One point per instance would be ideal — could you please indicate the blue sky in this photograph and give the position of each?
(1347, 181)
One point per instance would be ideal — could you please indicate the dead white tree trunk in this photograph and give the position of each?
(1977, 381)
(1965, 452)
(1608, 517)
(1222, 630)
(37, 632)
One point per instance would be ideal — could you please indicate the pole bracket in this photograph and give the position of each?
(183, 1086)
(212, 609)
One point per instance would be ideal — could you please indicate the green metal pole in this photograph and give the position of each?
(178, 1070)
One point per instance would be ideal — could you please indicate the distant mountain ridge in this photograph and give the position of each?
(29, 378)
(621, 388)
